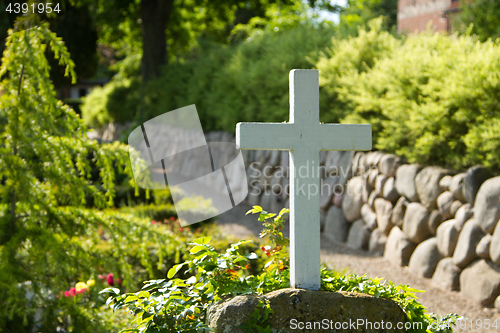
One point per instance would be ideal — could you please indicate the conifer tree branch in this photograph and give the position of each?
(14, 152)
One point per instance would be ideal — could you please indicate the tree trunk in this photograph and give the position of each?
(154, 17)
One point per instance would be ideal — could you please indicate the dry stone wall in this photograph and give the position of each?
(440, 223)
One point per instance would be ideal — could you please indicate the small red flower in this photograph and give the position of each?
(181, 229)
(66, 293)
(119, 281)
(110, 279)
(266, 249)
(153, 222)
(72, 292)
(102, 277)
(172, 218)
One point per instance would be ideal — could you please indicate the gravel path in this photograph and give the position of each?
(340, 257)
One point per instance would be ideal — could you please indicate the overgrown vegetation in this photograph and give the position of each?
(49, 237)
(247, 82)
(180, 305)
(480, 17)
(62, 238)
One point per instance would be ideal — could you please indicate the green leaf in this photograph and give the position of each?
(268, 263)
(174, 270)
(131, 298)
(191, 280)
(197, 249)
(209, 288)
(413, 290)
(203, 240)
(115, 291)
(254, 210)
(251, 256)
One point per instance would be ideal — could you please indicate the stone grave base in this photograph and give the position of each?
(299, 310)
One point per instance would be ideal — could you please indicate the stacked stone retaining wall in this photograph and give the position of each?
(440, 223)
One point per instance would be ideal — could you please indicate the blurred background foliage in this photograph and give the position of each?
(479, 17)
(430, 98)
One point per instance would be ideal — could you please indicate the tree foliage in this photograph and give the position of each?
(430, 98)
(56, 225)
(74, 23)
(357, 13)
(479, 17)
(163, 31)
(228, 83)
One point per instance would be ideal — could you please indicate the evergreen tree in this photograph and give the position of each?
(49, 238)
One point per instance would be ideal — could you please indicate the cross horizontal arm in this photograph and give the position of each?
(344, 137)
(279, 136)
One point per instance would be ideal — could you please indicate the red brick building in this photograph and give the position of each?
(415, 15)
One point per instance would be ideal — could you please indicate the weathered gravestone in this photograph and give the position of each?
(304, 137)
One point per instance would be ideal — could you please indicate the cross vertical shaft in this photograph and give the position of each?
(304, 97)
(304, 220)
(304, 207)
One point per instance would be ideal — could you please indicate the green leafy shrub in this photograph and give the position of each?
(253, 86)
(117, 101)
(228, 83)
(480, 17)
(342, 63)
(180, 305)
(152, 211)
(430, 98)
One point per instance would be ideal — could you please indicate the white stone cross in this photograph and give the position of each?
(304, 137)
